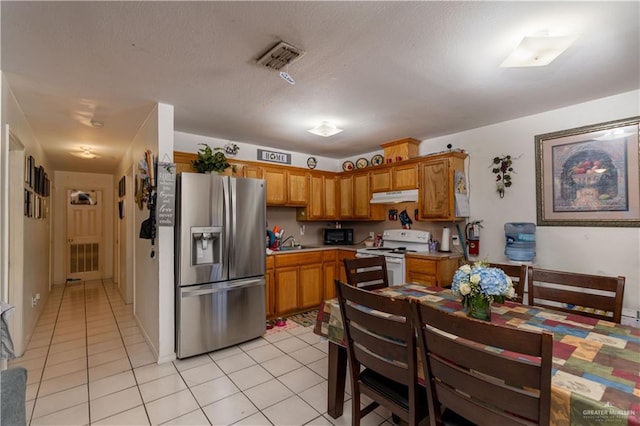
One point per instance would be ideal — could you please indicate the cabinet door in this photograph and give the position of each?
(346, 197)
(344, 254)
(331, 198)
(310, 289)
(297, 188)
(405, 177)
(270, 293)
(286, 289)
(362, 196)
(276, 180)
(315, 206)
(435, 191)
(381, 180)
(254, 172)
(329, 274)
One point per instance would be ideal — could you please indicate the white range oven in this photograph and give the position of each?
(396, 243)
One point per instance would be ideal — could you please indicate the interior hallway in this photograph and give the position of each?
(88, 363)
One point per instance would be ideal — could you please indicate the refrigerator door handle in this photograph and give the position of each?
(217, 288)
(232, 228)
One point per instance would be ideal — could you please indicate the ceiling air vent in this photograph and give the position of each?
(280, 55)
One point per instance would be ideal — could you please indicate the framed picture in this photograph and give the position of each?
(589, 176)
(122, 187)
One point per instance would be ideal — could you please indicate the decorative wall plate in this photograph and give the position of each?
(312, 162)
(348, 166)
(377, 160)
(361, 163)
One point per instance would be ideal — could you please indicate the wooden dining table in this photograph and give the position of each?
(596, 363)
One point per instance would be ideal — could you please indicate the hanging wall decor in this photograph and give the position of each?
(502, 167)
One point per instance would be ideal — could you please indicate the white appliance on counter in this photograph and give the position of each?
(396, 243)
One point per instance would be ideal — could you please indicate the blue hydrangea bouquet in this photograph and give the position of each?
(480, 285)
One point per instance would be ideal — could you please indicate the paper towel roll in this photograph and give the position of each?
(446, 237)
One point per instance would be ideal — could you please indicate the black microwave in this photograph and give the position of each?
(338, 236)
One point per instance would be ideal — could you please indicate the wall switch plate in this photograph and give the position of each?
(455, 241)
(372, 234)
(302, 229)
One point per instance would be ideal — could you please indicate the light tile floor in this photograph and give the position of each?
(88, 363)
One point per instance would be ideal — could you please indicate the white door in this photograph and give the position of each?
(84, 235)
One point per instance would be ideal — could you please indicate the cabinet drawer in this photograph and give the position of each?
(424, 279)
(298, 259)
(329, 255)
(421, 266)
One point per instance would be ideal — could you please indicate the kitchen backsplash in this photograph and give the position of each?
(285, 218)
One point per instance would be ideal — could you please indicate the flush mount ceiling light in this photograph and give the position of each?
(85, 153)
(325, 129)
(537, 51)
(96, 123)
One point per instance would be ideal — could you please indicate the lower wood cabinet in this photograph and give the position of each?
(298, 282)
(329, 272)
(431, 271)
(270, 288)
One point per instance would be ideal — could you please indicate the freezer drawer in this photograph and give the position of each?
(217, 315)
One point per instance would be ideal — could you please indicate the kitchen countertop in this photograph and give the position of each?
(316, 248)
(435, 255)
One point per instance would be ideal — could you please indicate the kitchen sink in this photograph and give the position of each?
(300, 247)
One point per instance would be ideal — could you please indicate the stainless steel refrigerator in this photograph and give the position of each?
(220, 262)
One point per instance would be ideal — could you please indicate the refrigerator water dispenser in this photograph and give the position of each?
(206, 245)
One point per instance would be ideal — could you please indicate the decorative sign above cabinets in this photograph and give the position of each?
(274, 157)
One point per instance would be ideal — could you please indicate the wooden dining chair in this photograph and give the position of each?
(369, 273)
(595, 296)
(483, 373)
(517, 273)
(381, 348)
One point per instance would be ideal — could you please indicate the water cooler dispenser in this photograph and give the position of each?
(520, 241)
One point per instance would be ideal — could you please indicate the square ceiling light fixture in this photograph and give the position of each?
(538, 51)
(325, 129)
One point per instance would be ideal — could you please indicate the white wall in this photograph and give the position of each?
(153, 277)
(86, 181)
(35, 231)
(187, 142)
(605, 251)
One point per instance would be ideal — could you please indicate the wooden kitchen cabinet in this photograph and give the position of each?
(433, 271)
(270, 290)
(346, 196)
(254, 172)
(285, 187)
(436, 199)
(341, 256)
(298, 281)
(381, 179)
(329, 273)
(323, 202)
(405, 176)
(397, 177)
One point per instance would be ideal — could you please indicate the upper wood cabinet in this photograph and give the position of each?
(355, 198)
(436, 190)
(286, 187)
(361, 196)
(404, 177)
(346, 196)
(323, 201)
(394, 178)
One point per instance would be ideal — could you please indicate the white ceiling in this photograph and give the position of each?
(379, 70)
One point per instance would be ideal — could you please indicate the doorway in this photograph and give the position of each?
(84, 250)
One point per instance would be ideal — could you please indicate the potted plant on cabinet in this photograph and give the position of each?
(211, 160)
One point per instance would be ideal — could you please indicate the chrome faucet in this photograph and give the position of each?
(290, 237)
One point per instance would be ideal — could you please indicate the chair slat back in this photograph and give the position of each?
(518, 274)
(369, 273)
(487, 373)
(594, 292)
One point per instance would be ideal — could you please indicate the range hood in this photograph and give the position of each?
(392, 197)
